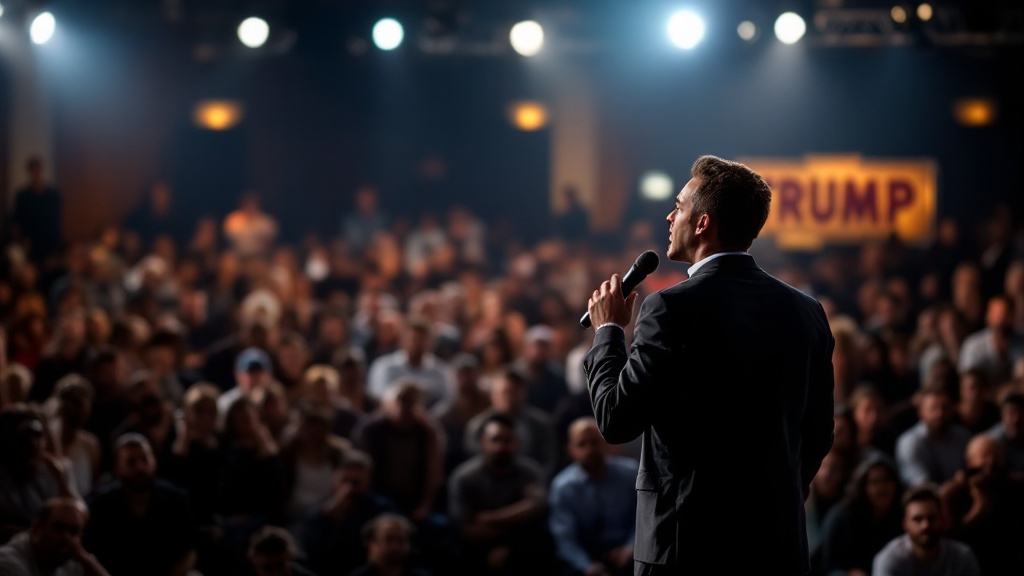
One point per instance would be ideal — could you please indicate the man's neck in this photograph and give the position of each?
(597, 472)
(44, 562)
(389, 570)
(415, 361)
(138, 501)
(926, 556)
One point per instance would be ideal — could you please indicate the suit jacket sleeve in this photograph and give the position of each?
(623, 387)
(819, 420)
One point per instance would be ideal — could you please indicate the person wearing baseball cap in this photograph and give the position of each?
(253, 371)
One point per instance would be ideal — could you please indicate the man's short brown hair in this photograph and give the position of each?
(735, 197)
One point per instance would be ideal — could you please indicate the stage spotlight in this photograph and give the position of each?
(925, 12)
(388, 34)
(43, 27)
(528, 116)
(790, 28)
(899, 14)
(685, 29)
(974, 112)
(656, 185)
(747, 30)
(1, 10)
(253, 32)
(218, 114)
(527, 38)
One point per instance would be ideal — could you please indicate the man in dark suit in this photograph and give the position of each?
(729, 380)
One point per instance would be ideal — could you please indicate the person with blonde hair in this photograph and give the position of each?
(321, 386)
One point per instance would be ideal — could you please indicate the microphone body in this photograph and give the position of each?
(644, 265)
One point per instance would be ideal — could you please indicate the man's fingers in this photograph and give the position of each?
(616, 284)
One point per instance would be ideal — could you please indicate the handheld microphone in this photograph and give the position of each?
(644, 265)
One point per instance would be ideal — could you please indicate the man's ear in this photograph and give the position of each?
(703, 223)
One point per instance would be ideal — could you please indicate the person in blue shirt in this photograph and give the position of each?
(593, 506)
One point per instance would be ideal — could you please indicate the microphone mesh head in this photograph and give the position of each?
(647, 262)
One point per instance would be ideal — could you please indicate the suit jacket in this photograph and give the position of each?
(729, 380)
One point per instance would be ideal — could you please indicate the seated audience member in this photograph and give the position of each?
(276, 411)
(110, 400)
(252, 376)
(15, 383)
(53, 546)
(825, 492)
(535, 432)
(844, 436)
(29, 473)
(455, 414)
(994, 349)
(140, 524)
(865, 521)
(497, 501)
(545, 380)
(352, 381)
(149, 414)
(593, 506)
(79, 448)
(413, 362)
(272, 553)
(290, 361)
(406, 448)
(1010, 429)
(923, 550)
(985, 508)
(933, 450)
(197, 453)
(162, 357)
(252, 490)
(869, 413)
(331, 536)
(495, 351)
(67, 353)
(975, 409)
(388, 545)
(321, 386)
(332, 335)
(310, 457)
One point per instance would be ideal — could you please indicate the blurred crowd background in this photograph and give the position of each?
(407, 391)
(293, 286)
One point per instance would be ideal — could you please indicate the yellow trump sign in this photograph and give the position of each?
(845, 199)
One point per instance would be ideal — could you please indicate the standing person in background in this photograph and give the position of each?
(37, 215)
(359, 227)
(730, 335)
(250, 231)
(156, 217)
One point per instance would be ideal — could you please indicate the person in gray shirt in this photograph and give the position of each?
(498, 502)
(933, 450)
(922, 551)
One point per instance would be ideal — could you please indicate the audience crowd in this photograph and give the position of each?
(404, 396)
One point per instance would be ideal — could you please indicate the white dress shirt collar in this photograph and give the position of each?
(693, 269)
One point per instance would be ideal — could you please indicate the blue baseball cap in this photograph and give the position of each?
(252, 359)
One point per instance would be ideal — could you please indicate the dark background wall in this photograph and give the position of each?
(431, 131)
